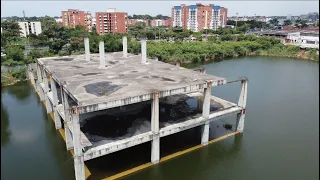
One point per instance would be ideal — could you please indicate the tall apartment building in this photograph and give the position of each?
(30, 28)
(198, 17)
(74, 17)
(111, 22)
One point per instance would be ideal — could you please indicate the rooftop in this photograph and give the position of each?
(122, 78)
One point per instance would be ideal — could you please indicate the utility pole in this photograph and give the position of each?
(236, 20)
(24, 19)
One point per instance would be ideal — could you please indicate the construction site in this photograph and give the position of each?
(107, 102)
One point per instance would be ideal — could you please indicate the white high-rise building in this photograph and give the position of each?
(30, 28)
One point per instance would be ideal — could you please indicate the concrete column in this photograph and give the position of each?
(205, 114)
(143, 51)
(242, 103)
(46, 90)
(31, 76)
(78, 155)
(39, 78)
(66, 110)
(57, 118)
(45, 82)
(101, 55)
(124, 46)
(69, 141)
(87, 48)
(199, 103)
(155, 147)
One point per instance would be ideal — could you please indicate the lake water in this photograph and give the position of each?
(280, 139)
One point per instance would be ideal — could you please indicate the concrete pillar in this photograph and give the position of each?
(199, 103)
(101, 55)
(66, 122)
(205, 114)
(57, 118)
(143, 51)
(124, 46)
(155, 147)
(78, 155)
(31, 76)
(39, 78)
(69, 141)
(45, 82)
(46, 90)
(48, 104)
(242, 103)
(87, 48)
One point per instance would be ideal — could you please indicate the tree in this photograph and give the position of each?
(10, 32)
(287, 22)
(301, 23)
(274, 22)
(159, 16)
(15, 53)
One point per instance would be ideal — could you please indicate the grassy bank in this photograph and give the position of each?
(195, 52)
(9, 78)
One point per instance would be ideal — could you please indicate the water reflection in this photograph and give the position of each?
(5, 131)
(19, 90)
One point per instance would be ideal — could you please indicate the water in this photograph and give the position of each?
(280, 139)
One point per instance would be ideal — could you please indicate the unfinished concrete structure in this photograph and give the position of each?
(76, 88)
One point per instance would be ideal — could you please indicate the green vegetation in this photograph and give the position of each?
(216, 49)
(223, 43)
(12, 77)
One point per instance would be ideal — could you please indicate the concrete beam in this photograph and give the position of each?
(242, 103)
(136, 99)
(188, 124)
(117, 145)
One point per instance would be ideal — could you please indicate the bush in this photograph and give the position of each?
(19, 74)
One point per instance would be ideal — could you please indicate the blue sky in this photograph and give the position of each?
(248, 8)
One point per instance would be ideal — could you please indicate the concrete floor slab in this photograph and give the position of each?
(122, 77)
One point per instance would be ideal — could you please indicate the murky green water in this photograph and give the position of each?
(280, 140)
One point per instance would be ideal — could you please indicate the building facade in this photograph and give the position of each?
(111, 22)
(74, 17)
(134, 21)
(303, 39)
(30, 28)
(161, 22)
(198, 17)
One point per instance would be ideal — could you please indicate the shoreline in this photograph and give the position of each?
(297, 57)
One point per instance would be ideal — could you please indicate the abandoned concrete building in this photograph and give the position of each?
(84, 92)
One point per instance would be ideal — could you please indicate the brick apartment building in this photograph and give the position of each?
(134, 21)
(161, 22)
(74, 17)
(111, 22)
(198, 17)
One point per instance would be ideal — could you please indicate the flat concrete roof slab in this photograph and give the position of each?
(122, 77)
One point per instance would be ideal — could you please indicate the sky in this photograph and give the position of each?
(243, 8)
